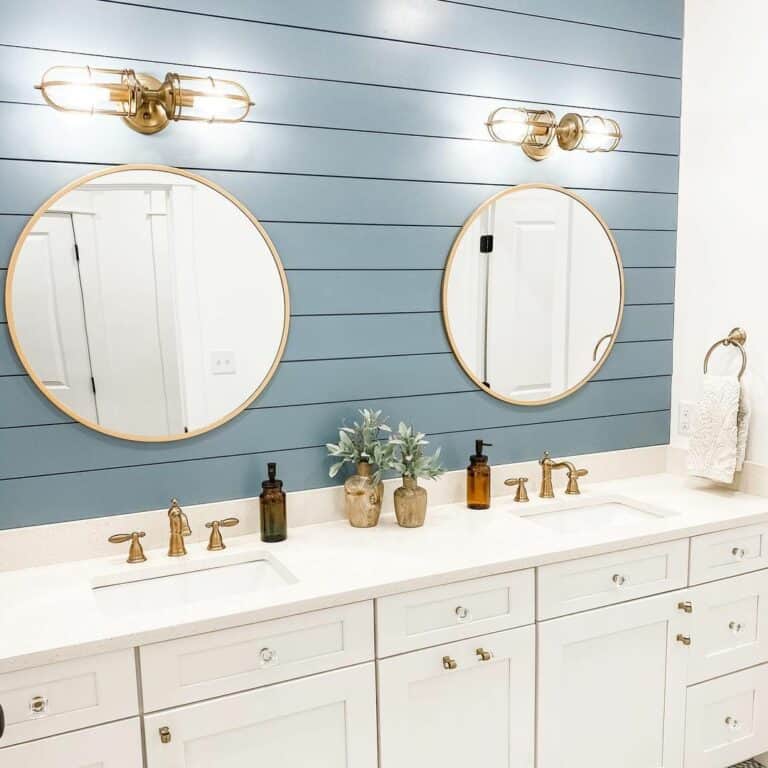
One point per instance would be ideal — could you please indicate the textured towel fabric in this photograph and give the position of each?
(719, 441)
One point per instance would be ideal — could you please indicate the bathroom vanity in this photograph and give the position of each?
(628, 626)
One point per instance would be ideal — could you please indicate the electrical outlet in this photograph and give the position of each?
(685, 415)
(223, 362)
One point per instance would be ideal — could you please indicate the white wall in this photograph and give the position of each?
(722, 255)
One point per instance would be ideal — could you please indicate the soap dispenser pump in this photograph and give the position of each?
(274, 524)
(479, 478)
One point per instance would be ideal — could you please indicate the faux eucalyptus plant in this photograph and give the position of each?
(409, 458)
(364, 442)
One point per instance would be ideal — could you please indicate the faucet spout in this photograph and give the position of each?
(547, 465)
(179, 525)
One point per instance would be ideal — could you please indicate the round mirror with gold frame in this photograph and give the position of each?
(147, 303)
(533, 294)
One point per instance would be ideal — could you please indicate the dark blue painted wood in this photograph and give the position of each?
(348, 106)
(409, 114)
(659, 17)
(141, 33)
(53, 498)
(455, 26)
(36, 133)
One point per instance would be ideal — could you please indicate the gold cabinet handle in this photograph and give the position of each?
(216, 542)
(686, 606)
(135, 551)
(38, 705)
(684, 639)
(165, 735)
(449, 663)
(483, 655)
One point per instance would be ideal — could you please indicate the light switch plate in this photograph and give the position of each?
(223, 362)
(685, 416)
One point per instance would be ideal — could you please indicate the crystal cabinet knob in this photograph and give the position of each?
(268, 656)
(732, 722)
(462, 613)
(38, 705)
(738, 552)
(736, 627)
(619, 580)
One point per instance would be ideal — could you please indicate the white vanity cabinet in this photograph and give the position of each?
(324, 721)
(611, 686)
(465, 703)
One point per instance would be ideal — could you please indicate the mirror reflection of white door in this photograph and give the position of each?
(528, 278)
(48, 312)
(127, 276)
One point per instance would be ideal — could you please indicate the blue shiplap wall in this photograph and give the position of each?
(365, 152)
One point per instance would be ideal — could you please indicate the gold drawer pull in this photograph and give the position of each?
(686, 606)
(38, 705)
(165, 735)
(449, 663)
(483, 655)
(684, 639)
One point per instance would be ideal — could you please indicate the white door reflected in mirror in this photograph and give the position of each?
(533, 294)
(147, 303)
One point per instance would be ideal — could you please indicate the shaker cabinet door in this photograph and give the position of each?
(324, 721)
(468, 703)
(612, 686)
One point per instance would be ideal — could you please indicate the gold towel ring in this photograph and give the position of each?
(737, 337)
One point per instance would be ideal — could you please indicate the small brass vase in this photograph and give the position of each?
(362, 498)
(410, 503)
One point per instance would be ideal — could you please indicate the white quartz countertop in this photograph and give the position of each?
(51, 613)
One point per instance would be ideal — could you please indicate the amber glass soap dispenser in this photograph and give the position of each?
(479, 478)
(274, 523)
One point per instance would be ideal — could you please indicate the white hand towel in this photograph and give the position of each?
(719, 440)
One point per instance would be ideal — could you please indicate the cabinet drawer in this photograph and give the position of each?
(730, 626)
(324, 721)
(450, 612)
(477, 711)
(591, 582)
(726, 719)
(60, 697)
(729, 553)
(117, 745)
(201, 667)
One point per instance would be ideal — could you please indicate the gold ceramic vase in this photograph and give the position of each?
(362, 498)
(410, 503)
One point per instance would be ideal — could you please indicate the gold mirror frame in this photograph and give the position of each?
(15, 255)
(447, 274)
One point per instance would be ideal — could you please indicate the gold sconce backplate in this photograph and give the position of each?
(150, 116)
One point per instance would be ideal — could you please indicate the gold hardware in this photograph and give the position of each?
(165, 735)
(684, 639)
(738, 552)
(215, 542)
(449, 663)
(686, 606)
(145, 104)
(38, 705)
(737, 338)
(597, 346)
(547, 465)
(521, 494)
(535, 131)
(483, 655)
(135, 551)
(179, 529)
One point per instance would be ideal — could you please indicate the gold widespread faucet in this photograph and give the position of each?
(547, 465)
(179, 529)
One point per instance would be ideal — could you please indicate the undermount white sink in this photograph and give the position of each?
(592, 514)
(200, 582)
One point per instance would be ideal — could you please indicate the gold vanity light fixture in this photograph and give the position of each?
(536, 130)
(146, 104)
